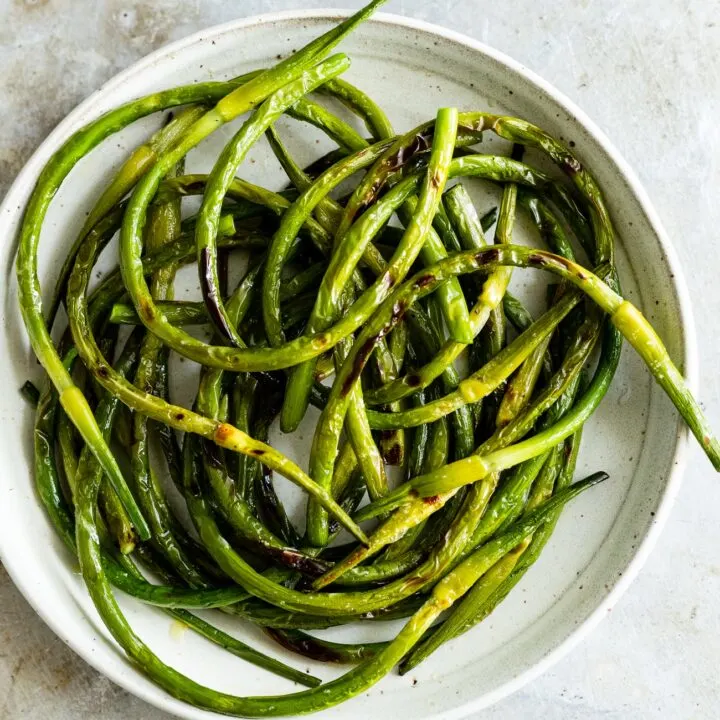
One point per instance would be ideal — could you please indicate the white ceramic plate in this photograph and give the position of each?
(411, 68)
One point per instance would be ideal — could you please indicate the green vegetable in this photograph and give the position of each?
(339, 306)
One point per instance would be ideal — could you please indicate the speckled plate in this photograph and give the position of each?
(411, 68)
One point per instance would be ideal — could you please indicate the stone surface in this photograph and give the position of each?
(647, 74)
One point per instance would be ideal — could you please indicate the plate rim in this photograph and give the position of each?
(87, 109)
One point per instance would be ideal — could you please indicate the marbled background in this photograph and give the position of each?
(648, 73)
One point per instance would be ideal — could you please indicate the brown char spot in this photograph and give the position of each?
(559, 260)
(537, 259)
(102, 371)
(359, 363)
(415, 581)
(210, 294)
(393, 453)
(424, 280)
(146, 309)
(224, 432)
(291, 558)
(420, 143)
(320, 340)
(399, 310)
(413, 380)
(571, 165)
(436, 180)
(180, 416)
(388, 280)
(304, 645)
(431, 500)
(372, 192)
(488, 255)
(257, 452)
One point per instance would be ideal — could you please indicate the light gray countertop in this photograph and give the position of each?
(648, 74)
